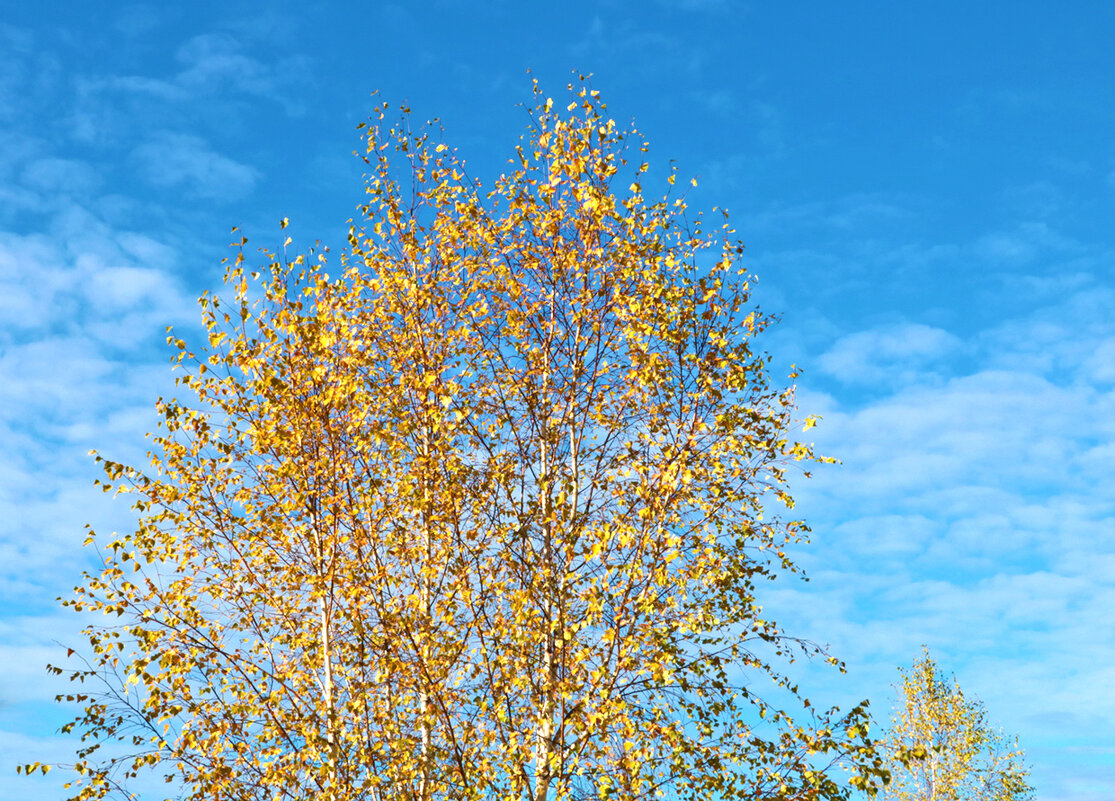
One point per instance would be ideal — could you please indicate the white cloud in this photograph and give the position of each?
(17, 45)
(187, 162)
(214, 60)
(61, 176)
(76, 319)
(215, 76)
(698, 5)
(895, 353)
(1066, 335)
(859, 212)
(1022, 244)
(1100, 363)
(126, 286)
(84, 273)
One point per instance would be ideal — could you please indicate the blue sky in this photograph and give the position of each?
(926, 191)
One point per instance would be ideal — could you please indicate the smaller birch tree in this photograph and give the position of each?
(942, 748)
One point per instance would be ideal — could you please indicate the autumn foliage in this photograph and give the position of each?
(941, 745)
(482, 512)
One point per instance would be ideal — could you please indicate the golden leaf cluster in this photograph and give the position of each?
(482, 515)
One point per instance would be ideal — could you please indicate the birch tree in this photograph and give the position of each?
(942, 747)
(483, 511)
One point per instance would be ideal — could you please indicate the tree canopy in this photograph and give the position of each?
(484, 512)
(942, 747)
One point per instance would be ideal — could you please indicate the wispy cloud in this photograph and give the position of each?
(1023, 244)
(215, 60)
(612, 40)
(82, 305)
(61, 177)
(187, 162)
(705, 6)
(215, 75)
(896, 353)
(18, 46)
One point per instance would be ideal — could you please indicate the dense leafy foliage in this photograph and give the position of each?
(482, 515)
